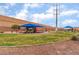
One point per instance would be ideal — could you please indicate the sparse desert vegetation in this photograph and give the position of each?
(33, 39)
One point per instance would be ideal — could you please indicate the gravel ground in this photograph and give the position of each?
(59, 48)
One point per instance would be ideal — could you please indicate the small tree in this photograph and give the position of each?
(15, 27)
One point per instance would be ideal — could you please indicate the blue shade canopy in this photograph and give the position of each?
(31, 25)
(68, 27)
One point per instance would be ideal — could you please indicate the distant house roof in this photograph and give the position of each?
(68, 27)
(31, 25)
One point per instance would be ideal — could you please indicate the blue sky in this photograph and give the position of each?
(43, 13)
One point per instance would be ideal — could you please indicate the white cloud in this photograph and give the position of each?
(63, 11)
(49, 13)
(45, 15)
(32, 5)
(35, 20)
(22, 14)
(51, 10)
(69, 12)
(12, 4)
(26, 5)
(62, 6)
(4, 7)
(42, 16)
(69, 22)
(2, 12)
(77, 15)
(8, 5)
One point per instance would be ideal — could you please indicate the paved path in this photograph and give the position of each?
(59, 48)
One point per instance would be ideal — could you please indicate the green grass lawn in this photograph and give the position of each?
(30, 39)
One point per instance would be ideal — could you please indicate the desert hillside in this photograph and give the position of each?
(6, 22)
(9, 21)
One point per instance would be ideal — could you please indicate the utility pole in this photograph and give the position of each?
(56, 16)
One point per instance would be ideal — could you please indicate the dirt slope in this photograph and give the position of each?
(59, 48)
(6, 22)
